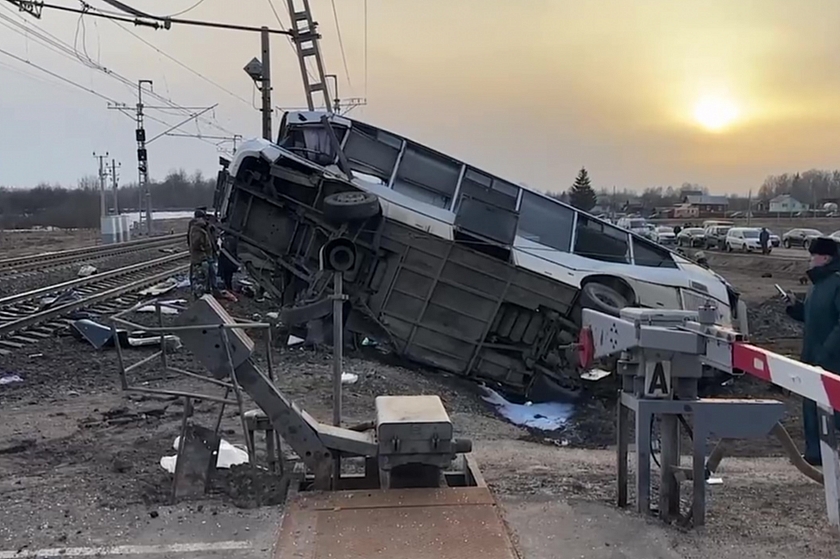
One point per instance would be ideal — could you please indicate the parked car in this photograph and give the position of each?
(664, 235)
(691, 237)
(715, 236)
(775, 240)
(745, 239)
(800, 237)
(711, 222)
(456, 268)
(637, 225)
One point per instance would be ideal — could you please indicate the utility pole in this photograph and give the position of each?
(143, 163)
(266, 84)
(114, 181)
(749, 208)
(102, 209)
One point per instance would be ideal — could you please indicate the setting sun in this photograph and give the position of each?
(715, 113)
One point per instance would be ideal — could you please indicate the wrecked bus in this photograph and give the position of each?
(458, 269)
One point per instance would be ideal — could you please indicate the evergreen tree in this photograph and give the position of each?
(582, 195)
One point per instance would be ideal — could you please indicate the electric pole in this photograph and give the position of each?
(114, 182)
(143, 163)
(266, 84)
(102, 209)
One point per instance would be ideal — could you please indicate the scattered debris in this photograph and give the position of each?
(99, 336)
(594, 374)
(349, 378)
(60, 299)
(87, 270)
(229, 455)
(166, 307)
(10, 379)
(294, 340)
(161, 288)
(547, 416)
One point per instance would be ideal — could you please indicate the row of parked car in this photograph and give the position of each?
(721, 235)
(729, 238)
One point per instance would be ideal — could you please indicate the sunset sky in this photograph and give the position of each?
(641, 92)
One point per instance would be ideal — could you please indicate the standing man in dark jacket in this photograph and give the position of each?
(764, 240)
(821, 341)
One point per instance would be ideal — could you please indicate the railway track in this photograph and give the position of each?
(24, 319)
(38, 262)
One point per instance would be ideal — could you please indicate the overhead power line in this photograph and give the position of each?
(182, 65)
(59, 46)
(341, 43)
(166, 21)
(89, 90)
(58, 76)
(191, 8)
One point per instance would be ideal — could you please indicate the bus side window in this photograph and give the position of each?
(600, 241)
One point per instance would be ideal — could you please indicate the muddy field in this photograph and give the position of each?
(79, 461)
(26, 242)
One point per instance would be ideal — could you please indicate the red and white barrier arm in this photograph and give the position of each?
(808, 381)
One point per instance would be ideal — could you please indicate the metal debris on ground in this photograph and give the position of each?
(166, 307)
(99, 336)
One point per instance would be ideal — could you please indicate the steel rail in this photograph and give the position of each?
(24, 263)
(29, 320)
(95, 278)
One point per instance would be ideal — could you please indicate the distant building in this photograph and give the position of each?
(685, 210)
(785, 204)
(706, 203)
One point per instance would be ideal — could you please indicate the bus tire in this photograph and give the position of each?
(601, 297)
(344, 207)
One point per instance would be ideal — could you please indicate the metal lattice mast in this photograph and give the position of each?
(306, 40)
(143, 164)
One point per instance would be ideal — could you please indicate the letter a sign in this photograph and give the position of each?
(658, 379)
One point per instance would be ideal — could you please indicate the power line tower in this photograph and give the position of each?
(145, 206)
(305, 37)
(102, 174)
(114, 181)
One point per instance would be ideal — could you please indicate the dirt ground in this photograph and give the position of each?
(16, 243)
(79, 459)
(23, 243)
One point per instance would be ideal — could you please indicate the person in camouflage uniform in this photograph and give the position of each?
(202, 254)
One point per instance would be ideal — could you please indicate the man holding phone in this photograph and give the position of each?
(820, 313)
